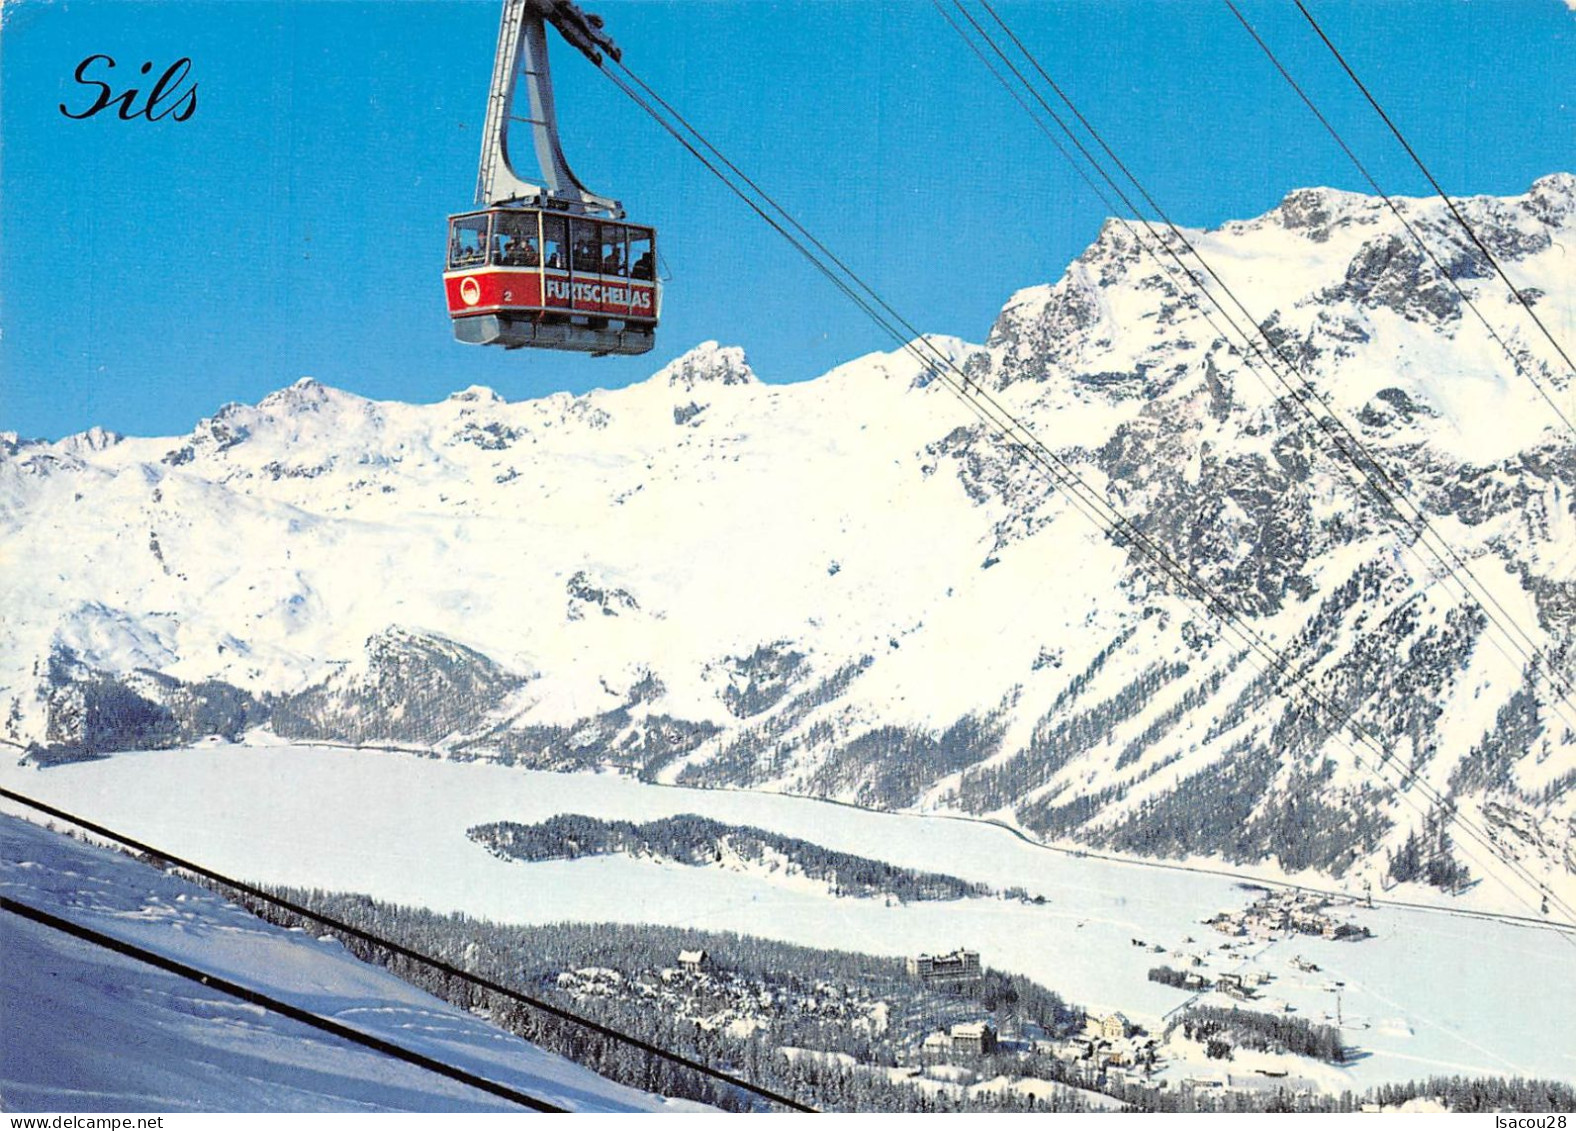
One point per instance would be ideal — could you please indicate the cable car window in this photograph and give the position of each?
(587, 246)
(468, 241)
(514, 240)
(642, 260)
(553, 242)
(613, 261)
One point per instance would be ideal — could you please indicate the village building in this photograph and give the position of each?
(1074, 1048)
(1115, 1027)
(959, 966)
(1261, 931)
(1118, 1053)
(1227, 923)
(694, 961)
(976, 1038)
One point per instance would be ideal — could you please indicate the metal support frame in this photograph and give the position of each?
(522, 54)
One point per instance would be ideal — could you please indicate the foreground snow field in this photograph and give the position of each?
(1433, 992)
(83, 1029)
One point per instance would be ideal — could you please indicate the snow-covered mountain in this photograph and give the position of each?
(849, 588)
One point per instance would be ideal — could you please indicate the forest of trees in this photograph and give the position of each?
(761, 751)
(1427, 857)
(1054, 744)
(701, 841)
(1250, 1029)
(1168, 976)
(893, 766)
(1481, 1093)
(1194, 698)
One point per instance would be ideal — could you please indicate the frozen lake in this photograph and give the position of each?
(1433, 993)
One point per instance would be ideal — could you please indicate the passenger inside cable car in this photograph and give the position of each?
(514, 239)
(612, 249)
(640, 254)
(468, 241)
(587, 259)
(553, 241)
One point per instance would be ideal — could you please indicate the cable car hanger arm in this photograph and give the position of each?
(522, 54)
(582, 30)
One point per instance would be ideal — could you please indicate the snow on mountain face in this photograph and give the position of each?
(849, 588)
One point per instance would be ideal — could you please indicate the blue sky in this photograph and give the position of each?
(294, 225)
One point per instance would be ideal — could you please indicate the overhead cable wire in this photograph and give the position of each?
(1461, 821)
(1074, 489)
(373, 939)
(1449, 203)
(1399, 215)
(1536, 661)
(962, 387)
(1062, 475)
(1346, 442)
(1018, 436)
(274, 1005)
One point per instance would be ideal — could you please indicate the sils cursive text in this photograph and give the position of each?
(169, 97)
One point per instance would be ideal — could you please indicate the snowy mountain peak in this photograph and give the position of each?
(476, 394)
(301, 425)
(95, 439)
(1314, 212)
(1553, 198)
(306, 395)
(707, 364)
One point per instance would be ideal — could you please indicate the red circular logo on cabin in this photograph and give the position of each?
(470, 290)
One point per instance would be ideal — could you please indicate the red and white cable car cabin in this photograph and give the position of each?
(534, 277)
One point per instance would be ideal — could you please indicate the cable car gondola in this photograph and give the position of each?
(551, 266)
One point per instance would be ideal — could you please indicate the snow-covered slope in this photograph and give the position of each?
(83, 1029)
(848, 588)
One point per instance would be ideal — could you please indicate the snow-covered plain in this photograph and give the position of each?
(1432, 993)
(83, 1029)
